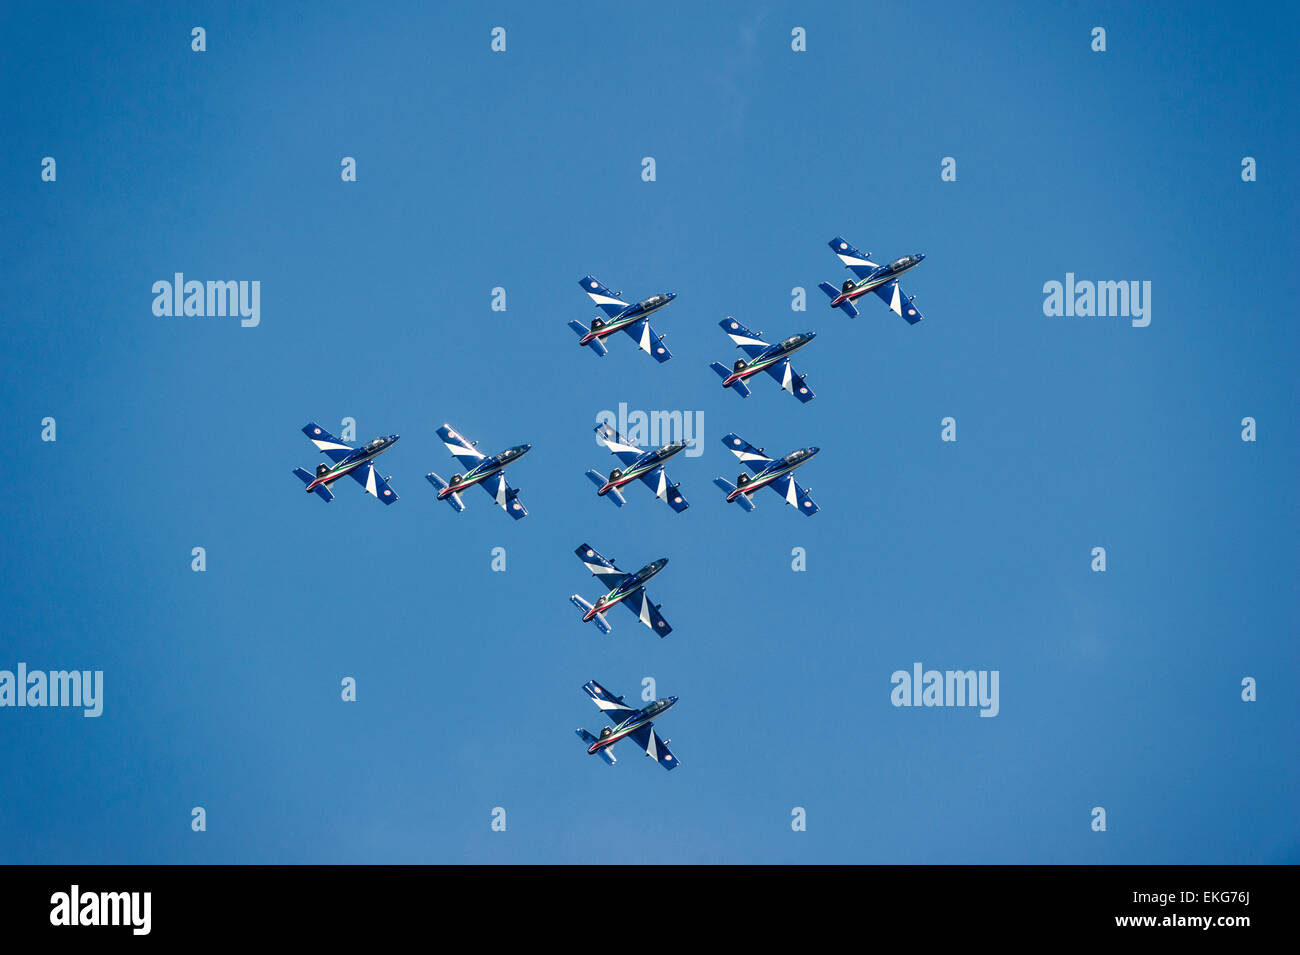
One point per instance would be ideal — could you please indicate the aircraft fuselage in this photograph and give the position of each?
(775, 471)
(626, 587)
(640, 718)
(485, 469)
(356, 459)
(770, 356)
(644, 465)
(881, 276)
(629, 315)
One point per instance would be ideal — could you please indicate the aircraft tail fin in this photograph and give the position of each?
(743, 500)
(607, 754)
(453, 499)
(323, 492)
(599, 619)
(613, 493)
(595, 344)
(847, 307)
(738, 386)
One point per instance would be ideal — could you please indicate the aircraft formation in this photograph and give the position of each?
(636, 464)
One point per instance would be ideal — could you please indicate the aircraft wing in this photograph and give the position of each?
(605, 300)
(753, 458)
(648, 341)
(751, 343)
(461, 447)
(791, 380)
(507, 498)
(899, 302)
(600, 567)
(375, 485)
(638, 601)
(855, 261)
(613, 707)
(665, 490)
(326, 443)
(654, 747)
(619, 446)
(796, 496)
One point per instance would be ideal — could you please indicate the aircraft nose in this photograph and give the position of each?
(920, 256)
(809, 335)
(813, 450)
(670, 295)
(393, 437)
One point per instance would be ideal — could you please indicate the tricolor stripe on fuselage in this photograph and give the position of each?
(873, 282)
(617, 735)
(467, 482)
(340, 470)
(763, 480)
(620, 321)
(631, 475)
(615, 324)
(759, 365)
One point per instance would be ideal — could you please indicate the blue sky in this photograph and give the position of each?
(523, 170)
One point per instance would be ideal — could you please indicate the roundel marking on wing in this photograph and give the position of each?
(661, 350)
(317, 431)
(737, 441)
(387, 492)
(733, 324)
(595, 285)
(590, 554)
(807, 503)
(911, 311)
(844, 245)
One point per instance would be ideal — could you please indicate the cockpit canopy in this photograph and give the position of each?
(376, 444)
(792, 340)
(653, 300)
(902, 263)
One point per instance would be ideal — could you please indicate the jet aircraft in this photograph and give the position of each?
(621, 316)
(636, 463)
(881, 279)
(627, 589)
(776, 474)
(773, 359)
(357, 462)
(486, 471)
(636, 723)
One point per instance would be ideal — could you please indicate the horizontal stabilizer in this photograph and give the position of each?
(595, 344)
(599, 620)
(847, 307)
(323, 492)
(742, 499)
(607, 754)
(738, 386)
(452, 499)
(613, 493)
